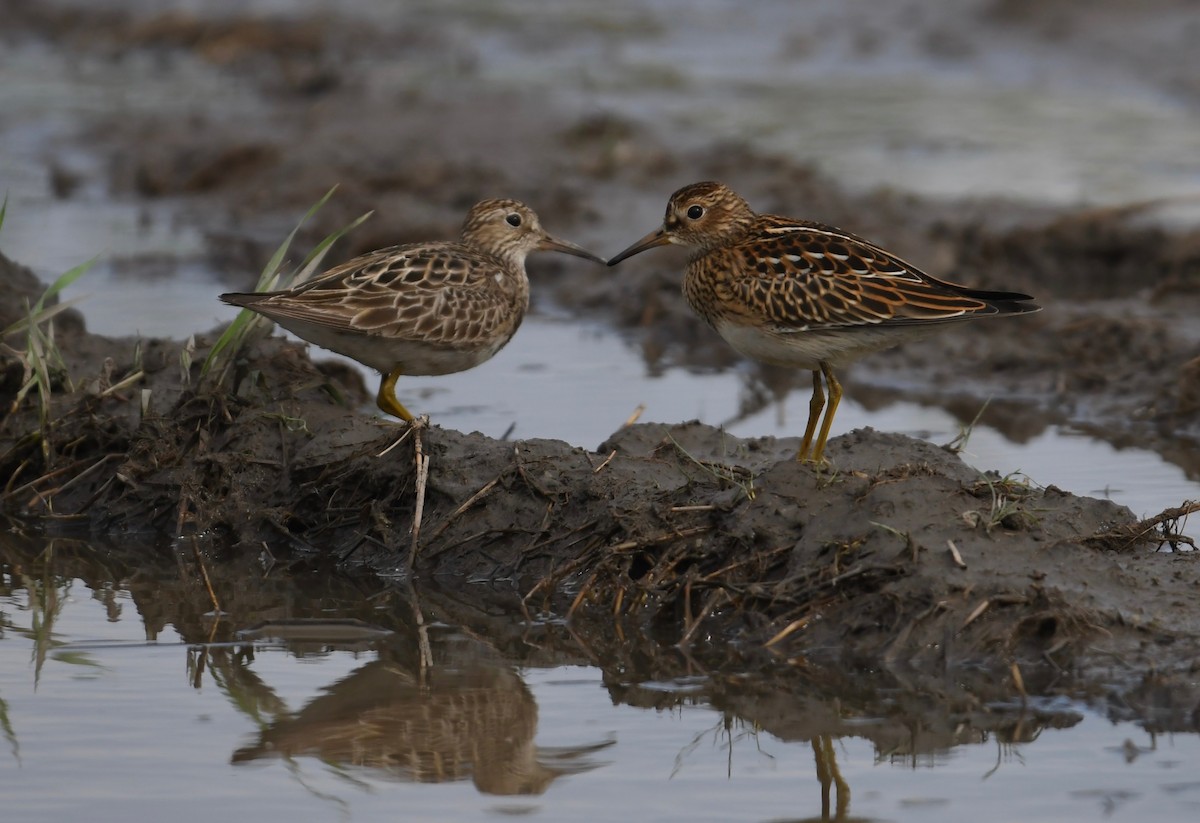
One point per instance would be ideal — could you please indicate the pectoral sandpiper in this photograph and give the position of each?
(423, 308)
(806, 295)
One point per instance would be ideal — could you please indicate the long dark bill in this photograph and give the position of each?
(658, 237)
(566, 247)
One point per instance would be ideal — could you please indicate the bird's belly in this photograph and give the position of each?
(808, 349)
(384, 354)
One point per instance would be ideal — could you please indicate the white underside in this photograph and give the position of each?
(384, 354)
(808, 349)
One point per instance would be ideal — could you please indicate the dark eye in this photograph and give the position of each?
(695, 212)
(513, 219)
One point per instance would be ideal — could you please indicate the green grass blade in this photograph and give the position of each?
(64, 280)
(31, 319)
(314, 258)
(272, 267)
(233, 338)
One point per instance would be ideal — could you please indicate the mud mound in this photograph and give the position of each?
(899, 551)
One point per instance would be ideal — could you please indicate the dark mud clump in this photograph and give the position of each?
(898, 552)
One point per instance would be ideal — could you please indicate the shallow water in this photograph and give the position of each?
(113, 707)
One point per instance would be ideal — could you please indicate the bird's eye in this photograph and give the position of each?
(513, 220)
(695, 212)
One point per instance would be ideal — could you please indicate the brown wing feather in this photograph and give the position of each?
(438, 295)
(803, 275)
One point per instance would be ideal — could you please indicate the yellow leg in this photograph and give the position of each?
(830, 776)
(386, 399)
(814, 414)
(835, 397)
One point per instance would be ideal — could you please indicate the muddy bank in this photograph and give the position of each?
(898, 553)
(905, 712)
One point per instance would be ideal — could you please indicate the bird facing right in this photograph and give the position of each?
(423, 308)
(804, 294)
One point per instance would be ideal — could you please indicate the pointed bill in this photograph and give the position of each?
(550, 243)
(658, 237)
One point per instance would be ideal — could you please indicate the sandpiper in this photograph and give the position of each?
(804, 294)
(422, 308)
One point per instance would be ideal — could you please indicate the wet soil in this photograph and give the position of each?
(675, 534)
(897, 552)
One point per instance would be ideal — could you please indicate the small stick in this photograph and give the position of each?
(707, 507)
(980, 609)
(407, 431)
(633, 418)
(954, 554)
(607, 460)
(422, 465)
(708, 606)
(662, 538)
(579, 597)
(470, 501)
(207, 582)
(1018, 681)
(791, 627)
(126, 383)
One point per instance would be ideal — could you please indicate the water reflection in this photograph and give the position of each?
(466, 715)
(385, 687)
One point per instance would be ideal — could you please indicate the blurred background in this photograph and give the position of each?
(1049, 147)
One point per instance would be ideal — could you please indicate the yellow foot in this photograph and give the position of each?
(385, 398)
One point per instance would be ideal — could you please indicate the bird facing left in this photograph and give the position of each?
(421, 308)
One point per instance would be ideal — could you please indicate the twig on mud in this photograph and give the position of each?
(407, 431)
(633, 418)
(607, 460)
(470, 501)
(707, 507)
(1018, 681)
(548, 581)
(123, 384)
(723, 473)
(709, 604)
(799, 623)
(422, 465)
(725, 570)
(679, 534)
(895, 568)
(955, 555)
(975, 613)
(525, 477)
(56, 473)
(1120, 538)
(582, 594)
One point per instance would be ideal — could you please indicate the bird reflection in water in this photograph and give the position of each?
(445, 722)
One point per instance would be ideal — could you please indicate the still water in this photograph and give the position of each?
(121, 697)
